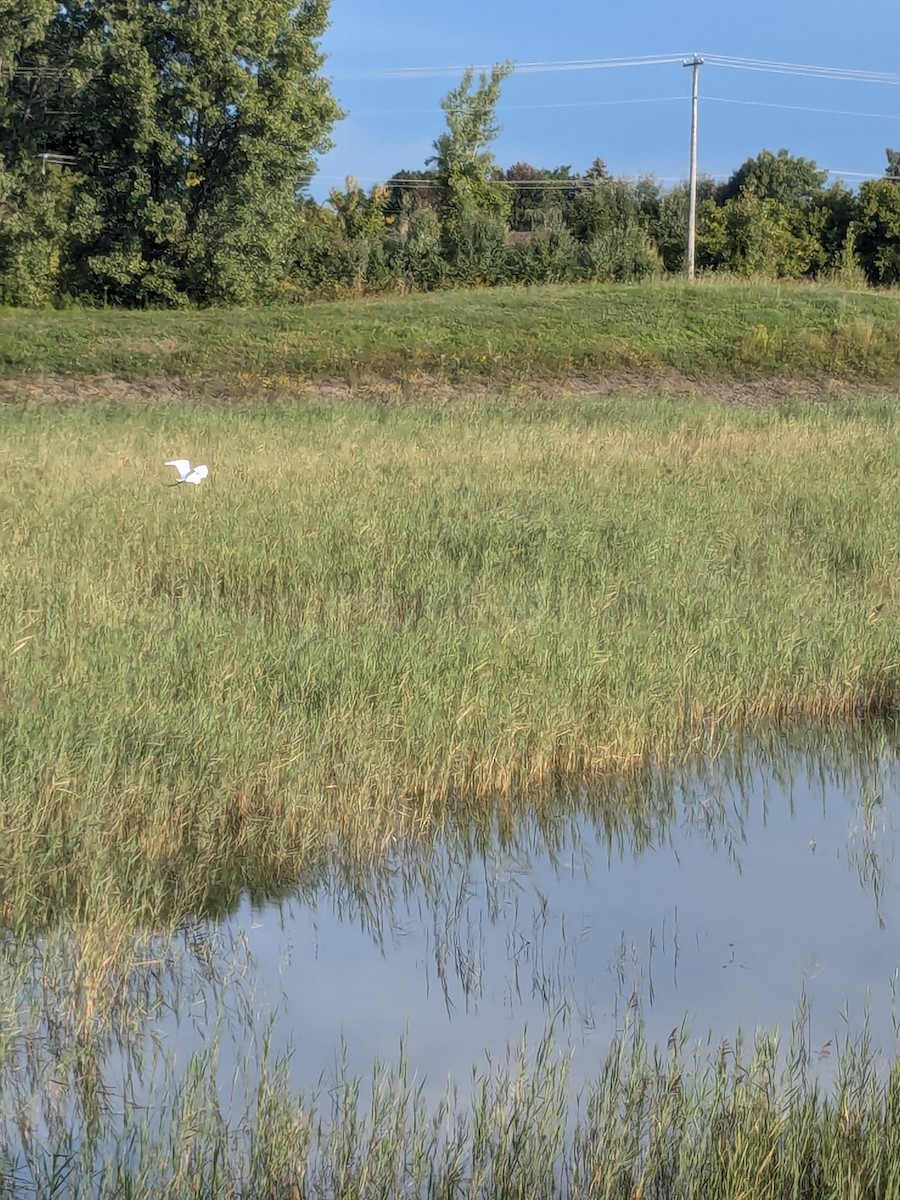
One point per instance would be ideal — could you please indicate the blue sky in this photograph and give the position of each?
(636, 118)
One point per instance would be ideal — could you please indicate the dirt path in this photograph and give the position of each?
(111, 389)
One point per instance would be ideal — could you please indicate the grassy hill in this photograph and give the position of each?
(499, 336)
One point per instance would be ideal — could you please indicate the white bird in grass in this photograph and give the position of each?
(187, 473)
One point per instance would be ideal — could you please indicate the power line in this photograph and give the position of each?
(526, 68)
(774, 67)
(860, 174)
(576, 182)
(435, 109)
(727, 61)
(835, 112)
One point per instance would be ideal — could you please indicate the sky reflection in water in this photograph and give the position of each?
(753, 888)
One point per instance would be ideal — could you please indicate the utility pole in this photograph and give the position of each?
(695, 64)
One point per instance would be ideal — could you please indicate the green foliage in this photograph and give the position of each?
(35, 210)
(423, 601)
(602, 205)
(361, 219)
(878, 230)
(538, 197)
(548, 255)
(669, 229)
(768, 219)
(782, 177)
(474, 246)
(324, 262)
(157, 154)
(621, 253)
(35, 201)
(838, 212)
(757, 1116)
(412, 188)
(22, 24)
(753, 236)
(414, 250)
(361, 214)
(464, 163)
(845, 269)
(192, 127)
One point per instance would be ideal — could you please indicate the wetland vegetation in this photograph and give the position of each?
(392, 619)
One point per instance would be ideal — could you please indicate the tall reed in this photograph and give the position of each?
(689, 1122)
(369, 620)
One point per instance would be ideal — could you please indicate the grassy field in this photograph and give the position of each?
(408, 620)
(373, 620)
(502, 335)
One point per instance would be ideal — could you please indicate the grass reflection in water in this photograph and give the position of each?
(97, 1097)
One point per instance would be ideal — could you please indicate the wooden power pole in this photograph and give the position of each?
(695, 64)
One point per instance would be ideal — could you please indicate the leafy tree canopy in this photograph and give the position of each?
(191, 126)
(465, 165)
(780, 176)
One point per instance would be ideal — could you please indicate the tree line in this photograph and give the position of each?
(160, 152)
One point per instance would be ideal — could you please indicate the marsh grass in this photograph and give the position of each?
(688, 1122)
(370, 621)
(103, 1094)
(504, 334)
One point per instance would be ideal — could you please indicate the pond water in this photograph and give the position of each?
(754, 892)
(745, 897)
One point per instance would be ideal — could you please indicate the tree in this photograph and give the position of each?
(602, 204)
(22, 23)
(770, 218)
(362, 221)
(35, 200)
(538, 196)
(668, 220)
(597, 170)
(414, 249)
(193, 127)
(411, 189)
(878, 231)
(780, 177)
(839, 208)
(759, 237)
(361, 213)
(465, 166)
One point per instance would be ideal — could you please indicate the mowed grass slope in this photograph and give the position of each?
(506, 334)
(369, 619)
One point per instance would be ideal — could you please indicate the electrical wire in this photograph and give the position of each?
(526, 68)
(836, 112)
(403, 112)
(774, 67)
(727, 61)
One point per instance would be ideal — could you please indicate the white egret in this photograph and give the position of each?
(187, 473)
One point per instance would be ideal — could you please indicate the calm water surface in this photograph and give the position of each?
(746, 898)
(753, 893)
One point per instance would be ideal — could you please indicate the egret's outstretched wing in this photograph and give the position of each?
(197, 475)
(181, 465)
